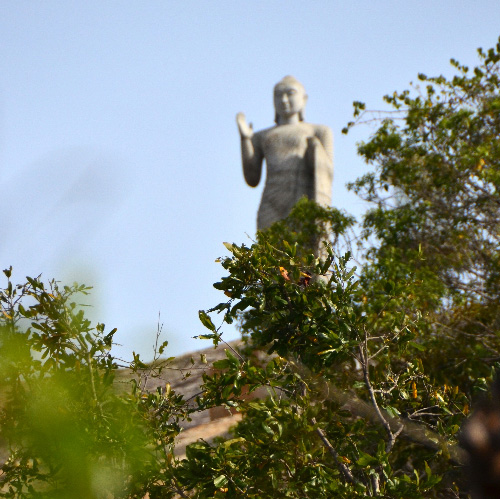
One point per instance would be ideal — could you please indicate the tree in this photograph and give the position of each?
(66, 429)
(381, 364)
(370, 369)
(436, 202)
(352, 411)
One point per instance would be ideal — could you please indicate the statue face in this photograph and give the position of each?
(289, 99)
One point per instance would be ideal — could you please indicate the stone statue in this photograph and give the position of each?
(299, 155)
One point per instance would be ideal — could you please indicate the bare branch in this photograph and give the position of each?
(363, 350)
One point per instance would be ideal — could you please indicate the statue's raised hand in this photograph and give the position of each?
(246, 130)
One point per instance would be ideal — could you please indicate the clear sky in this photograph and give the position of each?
(119, 153)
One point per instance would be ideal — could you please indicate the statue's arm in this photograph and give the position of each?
(251, 151)
(320, 160)
(323, 145)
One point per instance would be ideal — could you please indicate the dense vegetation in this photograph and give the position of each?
(372, 361)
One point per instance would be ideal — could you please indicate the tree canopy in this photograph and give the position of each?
(371, 353)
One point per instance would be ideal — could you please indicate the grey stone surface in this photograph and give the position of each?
(298, 155)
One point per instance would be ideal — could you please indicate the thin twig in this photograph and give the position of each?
(343, 468)
(365, 366)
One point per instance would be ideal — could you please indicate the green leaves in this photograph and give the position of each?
(59, 414)
(384, 351)
(229, 361)
(205, 320)
(67, 425)
(353, 381)
(366, 460)
(220, 481)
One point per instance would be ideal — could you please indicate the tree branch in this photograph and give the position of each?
(343, 468)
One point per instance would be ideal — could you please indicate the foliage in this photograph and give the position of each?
(68, 431)
(354, 380)
(341, 374)
(375, 368)
(436, 198)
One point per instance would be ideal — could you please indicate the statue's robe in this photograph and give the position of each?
(293, 171)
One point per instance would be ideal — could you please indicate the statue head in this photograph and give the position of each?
(289, 97)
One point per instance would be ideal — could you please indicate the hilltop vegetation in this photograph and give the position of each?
(375, 353)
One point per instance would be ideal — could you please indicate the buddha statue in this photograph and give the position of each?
(298, 155)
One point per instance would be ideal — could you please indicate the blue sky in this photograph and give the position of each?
(119, 152)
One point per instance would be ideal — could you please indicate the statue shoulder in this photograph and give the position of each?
(324, 134)
(322, 130)
(260, 136)
(263, 133)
